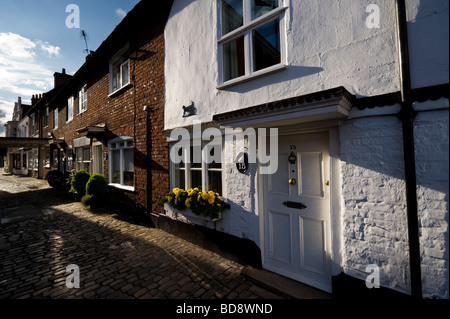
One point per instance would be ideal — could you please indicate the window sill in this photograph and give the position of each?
(254, 75)
(118, 91)
(122, 187)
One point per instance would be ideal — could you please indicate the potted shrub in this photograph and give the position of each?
(78, 183)
(96, 190)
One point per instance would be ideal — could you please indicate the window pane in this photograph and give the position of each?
(55, 118)
(125, 73)
(232, 15)
(115, 167)
(128, 174)
(214, 156)
(116, 77)
(129, 160)
(233, 59)
(128, 178)
(196, 179)
(266, 45)
(180, 179)
(86, 154)
(215, 182)
(261, 7)
(197, 163)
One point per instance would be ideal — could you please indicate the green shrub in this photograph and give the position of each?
(79, 181)
(97, 186)
(87, 200)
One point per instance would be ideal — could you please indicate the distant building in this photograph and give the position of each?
(17, 159)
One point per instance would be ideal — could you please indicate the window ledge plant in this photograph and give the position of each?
(202, 203)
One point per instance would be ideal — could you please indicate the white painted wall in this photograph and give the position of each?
(327, 46)
(431, 129)
(373, 195)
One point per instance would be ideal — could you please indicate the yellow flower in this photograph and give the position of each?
(188, 202)
(196, 189)
(169, 198)
(205, 195)
(211, 200)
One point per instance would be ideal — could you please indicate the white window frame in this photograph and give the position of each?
(55, 118)
(70, 104)
(119, 59)
(82, 99)
(115, 142)
(246, 31)
(33, 124)
(46, 114)
(80, 162)
(69, 159)
(204, 167)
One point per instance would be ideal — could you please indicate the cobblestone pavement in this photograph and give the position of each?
(41, 233)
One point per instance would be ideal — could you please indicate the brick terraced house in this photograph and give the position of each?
(108, 117)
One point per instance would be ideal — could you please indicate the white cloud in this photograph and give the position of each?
(49, 49)
(121, 13)
(22, 71)
(16, 46)
(6, 109)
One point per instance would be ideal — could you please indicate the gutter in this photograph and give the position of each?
(407, 115)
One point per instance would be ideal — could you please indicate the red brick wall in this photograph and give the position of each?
(124, 115)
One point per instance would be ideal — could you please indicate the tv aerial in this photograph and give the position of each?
(85, 36)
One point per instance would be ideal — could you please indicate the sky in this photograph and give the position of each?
(41, 37)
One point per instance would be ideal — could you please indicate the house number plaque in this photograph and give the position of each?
(242, 163)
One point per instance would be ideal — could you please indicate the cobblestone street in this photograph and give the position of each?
(42, 232)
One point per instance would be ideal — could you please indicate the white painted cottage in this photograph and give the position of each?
(356, 95)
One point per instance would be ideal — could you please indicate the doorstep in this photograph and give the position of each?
(283, 285)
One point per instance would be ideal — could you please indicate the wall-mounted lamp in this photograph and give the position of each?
(189, 110)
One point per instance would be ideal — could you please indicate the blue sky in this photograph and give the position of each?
(35, 42)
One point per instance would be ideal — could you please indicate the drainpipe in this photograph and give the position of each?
(149, 160)
(407, 117)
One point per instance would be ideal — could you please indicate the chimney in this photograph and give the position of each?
(91, 53)
(60, 78)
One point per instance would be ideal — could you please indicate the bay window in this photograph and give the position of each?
(83, 158)
(121, 162)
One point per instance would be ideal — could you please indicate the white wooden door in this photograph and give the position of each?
(296, 211)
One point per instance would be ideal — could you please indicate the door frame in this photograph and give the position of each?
(334, 230)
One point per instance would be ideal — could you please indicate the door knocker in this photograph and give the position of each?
(292, 158)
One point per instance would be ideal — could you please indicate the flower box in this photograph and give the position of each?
(195, 203)
(189, 214)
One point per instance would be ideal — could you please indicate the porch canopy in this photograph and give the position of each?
(330, 104)
(25, 142)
